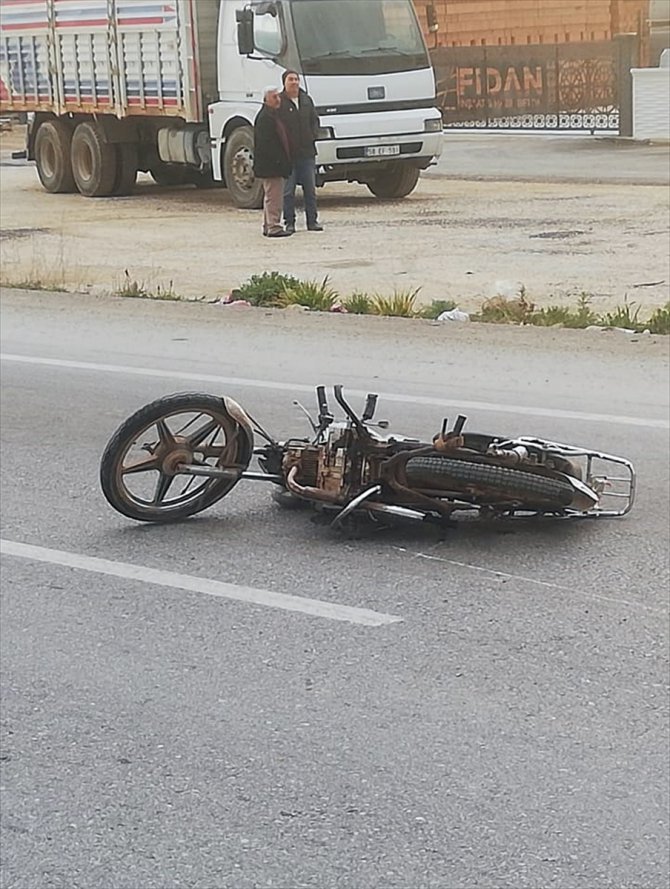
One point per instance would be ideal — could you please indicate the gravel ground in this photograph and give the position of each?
(454, 238)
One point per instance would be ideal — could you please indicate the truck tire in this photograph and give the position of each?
(396, 182)
(238, 167)
(52, 157)
(126, 168)
(94, 161)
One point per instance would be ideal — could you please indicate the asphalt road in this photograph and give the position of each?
(509, 730)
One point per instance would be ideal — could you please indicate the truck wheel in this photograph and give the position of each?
(238, 166)
(396, 182)
(52, 156)
(126, 168)
(94, 162)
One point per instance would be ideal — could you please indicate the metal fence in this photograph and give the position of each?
(562, 87)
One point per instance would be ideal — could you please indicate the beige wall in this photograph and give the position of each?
(476, 22)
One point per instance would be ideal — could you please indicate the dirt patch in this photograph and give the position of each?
(9, 234)
(13, 138)
(452, 238)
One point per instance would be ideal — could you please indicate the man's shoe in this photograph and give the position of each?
(289, 229)
(315, 228)
(279, 234)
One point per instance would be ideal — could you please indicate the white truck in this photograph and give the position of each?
(171, 87)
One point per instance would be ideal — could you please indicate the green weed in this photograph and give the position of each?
(32, 284)
(319, 297)
(565, 316)
(401, 305)
(166, 293)
(265, 289)
(133, 289)
(623, 316)
(551, 316)
(500, 310)
(358, 303)
(659, 322)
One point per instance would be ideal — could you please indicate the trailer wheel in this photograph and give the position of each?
(238, 166)
(126, 168)
(52, 156)
(397, 182)
(94, 161)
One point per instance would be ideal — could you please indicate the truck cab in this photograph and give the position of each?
(367, 69)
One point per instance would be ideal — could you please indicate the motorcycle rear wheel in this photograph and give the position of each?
(502, 483)
(139, 468)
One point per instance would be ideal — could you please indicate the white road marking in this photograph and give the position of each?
(524, 579)
(521, 410)
(203, 585)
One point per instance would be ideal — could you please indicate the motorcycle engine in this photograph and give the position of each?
(333, 462)
(306, 458)
(323, 466)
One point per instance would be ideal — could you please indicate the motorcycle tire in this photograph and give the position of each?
(505, 483)
(205, 491)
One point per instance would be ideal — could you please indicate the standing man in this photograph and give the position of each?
(272, 161)
(302, 122)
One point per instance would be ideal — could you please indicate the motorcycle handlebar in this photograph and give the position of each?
(339, 398)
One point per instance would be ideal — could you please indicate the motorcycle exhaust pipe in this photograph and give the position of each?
(402, 512)
(306, 491)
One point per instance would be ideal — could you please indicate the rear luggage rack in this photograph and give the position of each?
(612, 478)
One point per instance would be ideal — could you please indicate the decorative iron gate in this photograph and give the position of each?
(569, 86)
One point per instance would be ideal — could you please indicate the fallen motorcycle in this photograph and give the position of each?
(180, 454)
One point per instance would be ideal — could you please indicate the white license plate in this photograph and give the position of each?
(381, 150)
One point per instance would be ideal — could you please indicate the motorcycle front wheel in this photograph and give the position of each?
(488, 482)
(140, 467)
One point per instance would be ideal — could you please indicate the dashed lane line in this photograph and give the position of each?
(202, 585)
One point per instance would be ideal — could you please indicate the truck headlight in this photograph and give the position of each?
(434, 125)
(325, 133)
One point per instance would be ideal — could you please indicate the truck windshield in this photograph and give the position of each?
(358, 36)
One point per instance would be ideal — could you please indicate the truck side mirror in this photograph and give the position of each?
(245, 31)
(431, 15)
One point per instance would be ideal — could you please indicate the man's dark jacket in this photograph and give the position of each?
(302, 124)
(271, 160)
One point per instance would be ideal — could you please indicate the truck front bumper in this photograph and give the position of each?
(421, 147)
(400, 135)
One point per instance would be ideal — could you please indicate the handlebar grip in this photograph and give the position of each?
(321, 399)
(370, 407)
(459, 424)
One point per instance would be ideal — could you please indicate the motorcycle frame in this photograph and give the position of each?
(361, 501)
